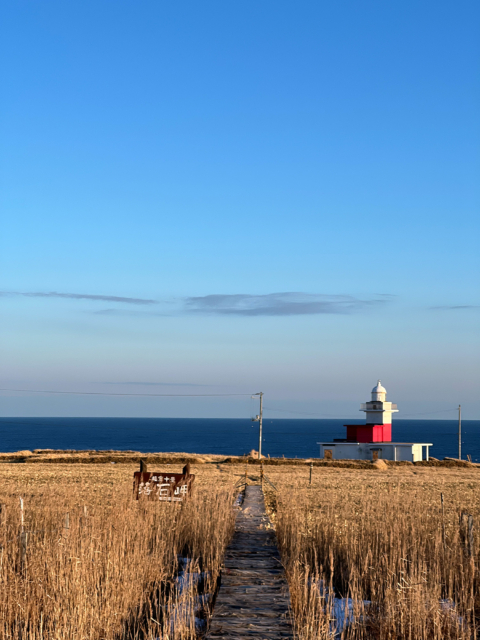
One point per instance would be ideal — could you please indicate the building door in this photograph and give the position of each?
(327, 454)
(376, 454)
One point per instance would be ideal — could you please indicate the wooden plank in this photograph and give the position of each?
(253, 601)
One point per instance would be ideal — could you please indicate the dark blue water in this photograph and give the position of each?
(289, 438)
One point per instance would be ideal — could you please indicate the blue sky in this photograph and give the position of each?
(247, 196)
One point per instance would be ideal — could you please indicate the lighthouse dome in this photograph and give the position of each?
(379, 392)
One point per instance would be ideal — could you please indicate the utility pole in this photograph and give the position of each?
(260, 427)
(459, 431)
(259, 419)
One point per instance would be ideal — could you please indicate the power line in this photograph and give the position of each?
(151, 395)
(304, 413)
(428, 413)
(200, 395)
(343, 417)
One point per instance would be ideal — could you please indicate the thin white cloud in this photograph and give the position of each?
(278, 304)
(290, 303)
(79, 296)
(455, 307)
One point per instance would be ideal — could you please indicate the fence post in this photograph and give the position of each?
(261, 474)
(470, 536)
(246, 474)
(463, 526)
(443, 525)
(23, 538)
(311, 471)
(21, 515)
(66, 524)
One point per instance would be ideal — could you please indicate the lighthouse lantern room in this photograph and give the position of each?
(363, 440)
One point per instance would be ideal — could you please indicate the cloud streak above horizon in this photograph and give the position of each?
(279, 304)
(290, 303)
(161, 384)
(454, 307)
(79, 296)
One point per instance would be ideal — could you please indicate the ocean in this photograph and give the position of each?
(289, 438)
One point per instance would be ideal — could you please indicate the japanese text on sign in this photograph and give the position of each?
(165, 487)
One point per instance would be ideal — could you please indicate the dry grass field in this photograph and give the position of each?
(94, 563)
(380, 538)
(382, 541)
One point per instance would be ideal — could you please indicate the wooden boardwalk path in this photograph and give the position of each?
(253, 600)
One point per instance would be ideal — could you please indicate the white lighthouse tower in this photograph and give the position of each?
(373, 440)
(378, 412)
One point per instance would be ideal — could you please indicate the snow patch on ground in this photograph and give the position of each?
(187, 608)
(343, 611)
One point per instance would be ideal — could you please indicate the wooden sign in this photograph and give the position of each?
(162, 486)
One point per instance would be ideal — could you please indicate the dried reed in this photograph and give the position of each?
(382, 550)
(107, 570)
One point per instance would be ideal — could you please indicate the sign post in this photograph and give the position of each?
(163, 486)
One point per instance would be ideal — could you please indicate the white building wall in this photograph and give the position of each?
(417, 452)
(378, 417)
(405, 454)
(408, 452)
